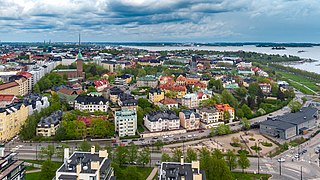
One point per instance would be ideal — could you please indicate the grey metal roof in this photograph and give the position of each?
(174, 170)
(168, 115)
(277, 124)
(187, 113)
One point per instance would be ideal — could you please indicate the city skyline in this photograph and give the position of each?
(160, 21)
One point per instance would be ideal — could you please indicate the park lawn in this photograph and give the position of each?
(29, 168)
(144, 171)
(33, 176)
(250, 176)
(307, 82)
(58, 164)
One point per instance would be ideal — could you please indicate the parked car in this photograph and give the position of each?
(189, 136)
(165, 137)
(155, 138)
(281, 160)
(201, 131)
(141, 139)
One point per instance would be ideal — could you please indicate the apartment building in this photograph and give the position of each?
(161, 121)
(156, 95)
(181, 170)
(189, 119)
(125, 122)
(222, 108)
(148, 80)
(85, 165)
(210, 117)
(6, 100)
(127, 101)
(193, 100)
(10, 167)
(48, 126)
(168, 103)
(91, 103)
(12, 118)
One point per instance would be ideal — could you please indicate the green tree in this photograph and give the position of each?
(68, 116)
(99, 128)
(144, 156)
(159, 144)
(141, 72)
(85, 146)
(144, 103)
(245, 123)
(255, 90)
(228, 98)
(121, 154)
(231, 159)
(132, 153)
(177, 153)
(36, 89)
(246, 111)
(221, 129)
(295, 106)
(47, 170)
(60, 151)
(47, 152)
(91, 89)
(191, 155)
(165, 157)
(239, 113)
(132, 173)
(226, 116)
(243, 161)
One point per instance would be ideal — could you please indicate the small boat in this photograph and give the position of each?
(301, 51)
(278, 48)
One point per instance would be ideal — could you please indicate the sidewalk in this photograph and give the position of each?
(153, 173)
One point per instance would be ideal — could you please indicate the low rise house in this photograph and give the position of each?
(100, 85)
(210, 117)
(125, 122)
(156, 95)
(113, 94)
(193, 100)
(127, 101)
(35, 103)
(168, 103)
(91, 103)
(290, 125)
(265, 87)
(225, 108)
(181, 171)
(161, 121)
(48, 126)
(189, 119)
(85, 165)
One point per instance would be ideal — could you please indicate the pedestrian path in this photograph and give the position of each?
(153, 173)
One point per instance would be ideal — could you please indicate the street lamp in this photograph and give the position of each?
(301, 172)
(259, 155)
(280, 161)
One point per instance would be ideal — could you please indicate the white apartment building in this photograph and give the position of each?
(209, 117)
(91, 103)
(161, 121)
(125, 122)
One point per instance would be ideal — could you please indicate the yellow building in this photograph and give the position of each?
(11, 88)
(11, 120)
(19, 87)
(156, 95)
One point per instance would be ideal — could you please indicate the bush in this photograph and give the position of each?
(266, 144)
(243, 151)
(256, 148)
(235, 144)
(252, 139)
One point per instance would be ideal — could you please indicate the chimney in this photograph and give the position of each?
(66, 153)
(103, 154)
(78, 171)
(93, 149)
(2, 150)
(182, 160)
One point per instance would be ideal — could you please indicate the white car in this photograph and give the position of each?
(189, 136)
(165, 137)
(171, 136)
(281, 160)
(296, 156)
(194, 135)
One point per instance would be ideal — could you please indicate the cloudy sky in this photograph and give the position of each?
(161, 20)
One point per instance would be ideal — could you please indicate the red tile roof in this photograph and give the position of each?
(167, 100)
(8, 85)
(70, 91)
(25, 74)
(4, 97)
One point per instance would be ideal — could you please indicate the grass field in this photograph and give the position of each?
(249, 176)
(307, 82)
(33, 176)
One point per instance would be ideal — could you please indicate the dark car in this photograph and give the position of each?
(141, 139)
(155, 138)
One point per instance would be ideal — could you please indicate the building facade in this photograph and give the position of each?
(10, 167)
(189, 119)
(210, 117)
(85, 165)
(147, 81)
(125, 122)
(161, 121)
(48, 126)
(156, 95)
(11, 120)
(91, 103)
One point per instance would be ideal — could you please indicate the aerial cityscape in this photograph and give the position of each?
(159, 90)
